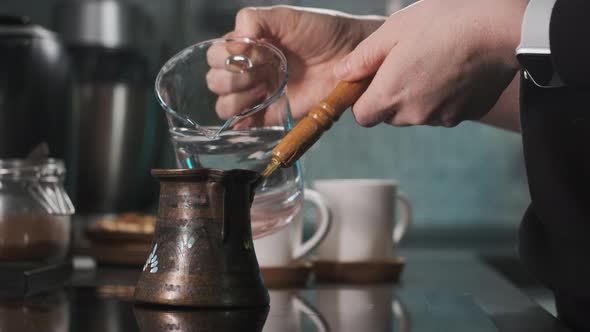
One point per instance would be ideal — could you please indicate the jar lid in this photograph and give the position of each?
(42, 178)
(46, 170)
(22, 27)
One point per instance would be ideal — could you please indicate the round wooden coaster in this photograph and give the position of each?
(295, 275)
(358, 272)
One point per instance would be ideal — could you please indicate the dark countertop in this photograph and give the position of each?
(441, 290)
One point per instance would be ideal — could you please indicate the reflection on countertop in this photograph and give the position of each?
(48, 312)
(440, 291)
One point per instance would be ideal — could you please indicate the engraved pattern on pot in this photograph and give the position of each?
(184, 245)
(181, 239)
(152, 260)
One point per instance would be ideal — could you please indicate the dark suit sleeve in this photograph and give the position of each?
(569, 38)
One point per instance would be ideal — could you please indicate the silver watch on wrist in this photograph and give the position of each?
(534, 51)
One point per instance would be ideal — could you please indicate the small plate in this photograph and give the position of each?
(121, 254)
(126, 227)
(103, 236)
(295, 275)
(358, 272)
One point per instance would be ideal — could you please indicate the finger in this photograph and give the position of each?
(242, 56)
(389, 97)
(235, 103)
(252, 121)
(219, 53)
(367, 57)
(414, 115)
(229, 35)
(259, 22)
(381, 101)
(223, 82)
(273, 115)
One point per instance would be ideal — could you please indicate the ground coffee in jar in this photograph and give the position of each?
(34, 237)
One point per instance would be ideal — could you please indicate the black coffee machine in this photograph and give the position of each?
(34, 89)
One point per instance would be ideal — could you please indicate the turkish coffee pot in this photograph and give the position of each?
(202, 254)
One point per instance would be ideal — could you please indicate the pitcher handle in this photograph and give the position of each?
(324, 221)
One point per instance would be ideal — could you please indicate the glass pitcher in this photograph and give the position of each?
(226, 107)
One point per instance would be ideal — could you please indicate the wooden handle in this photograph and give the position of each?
(318, 120)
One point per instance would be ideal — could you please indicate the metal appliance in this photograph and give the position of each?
(34, 88)
(115, 122)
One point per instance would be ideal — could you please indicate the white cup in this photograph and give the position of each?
(287, 245)
(363, 213)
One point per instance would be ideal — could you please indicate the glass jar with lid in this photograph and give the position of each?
(35, 211)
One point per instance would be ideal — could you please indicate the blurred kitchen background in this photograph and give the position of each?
(467, 178)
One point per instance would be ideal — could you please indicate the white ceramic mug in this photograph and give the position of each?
(363, 213)
(287, 245)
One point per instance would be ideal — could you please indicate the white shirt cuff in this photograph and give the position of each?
(535, 27)
(534, 50)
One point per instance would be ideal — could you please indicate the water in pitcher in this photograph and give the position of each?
(277, 200)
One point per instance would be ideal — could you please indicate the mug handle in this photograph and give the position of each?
(316, 318)
(405, 218)
(324, 221)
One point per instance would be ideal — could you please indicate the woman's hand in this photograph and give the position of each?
(313, 42)
(438, 62)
